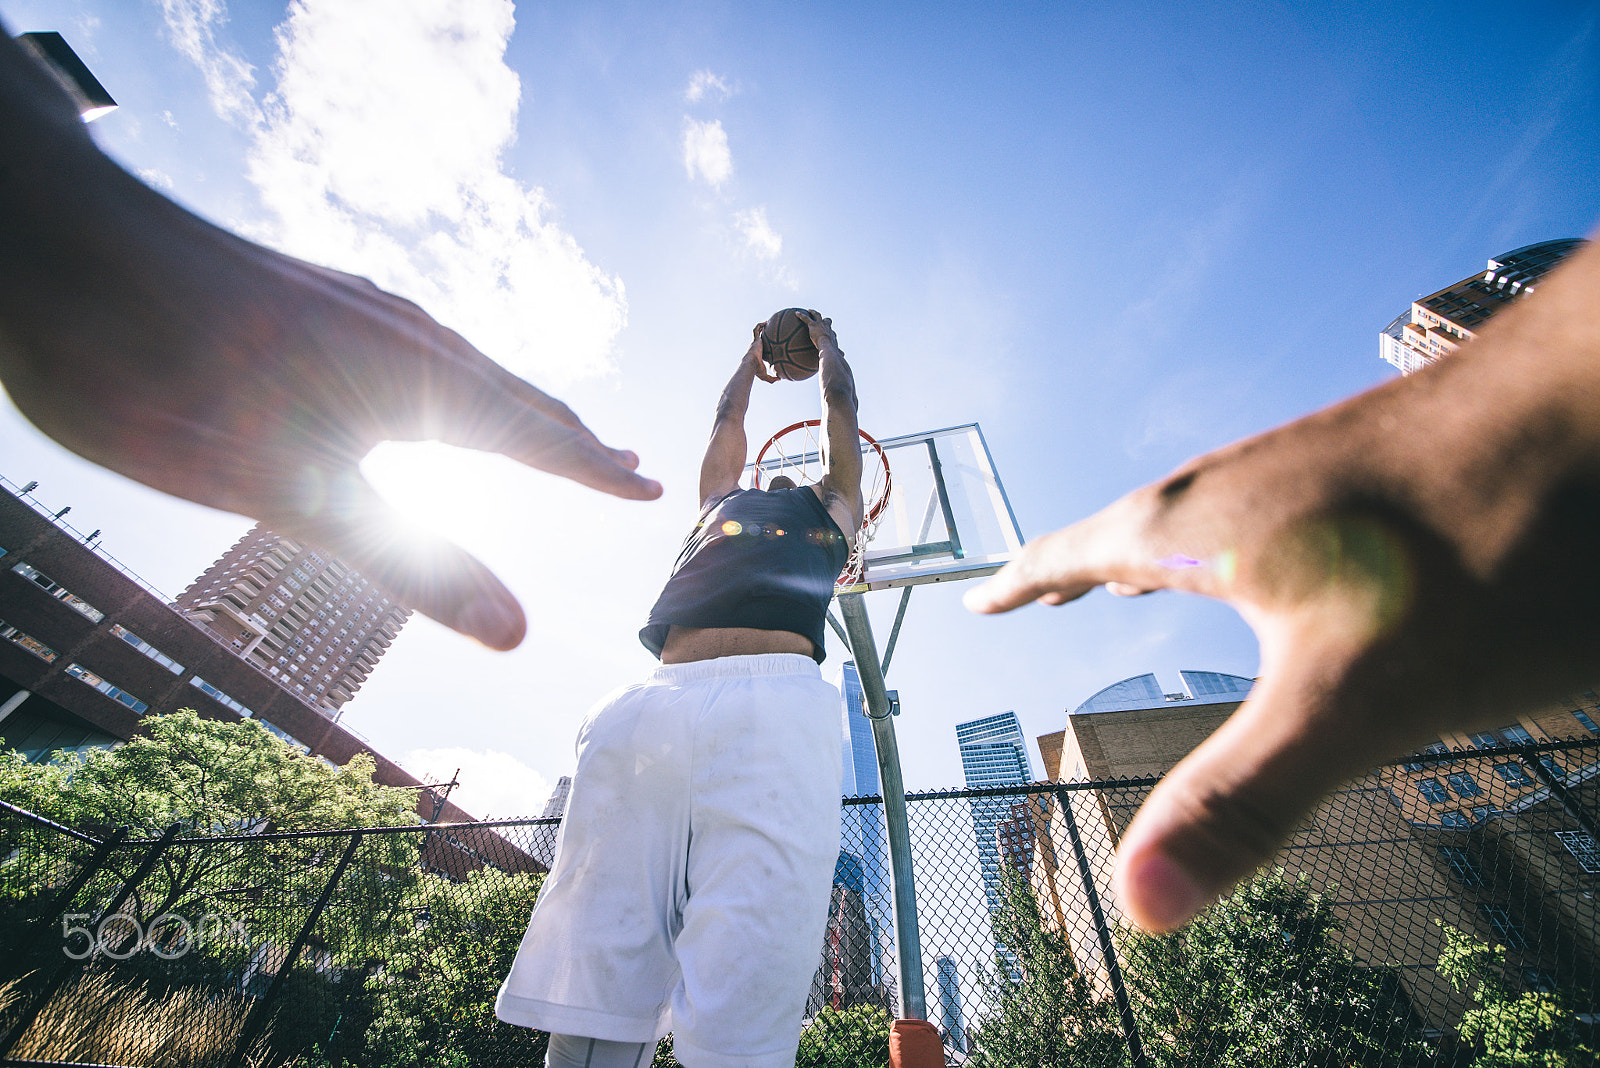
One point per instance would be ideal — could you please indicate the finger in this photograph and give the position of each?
(419, 570)
(1231, 804)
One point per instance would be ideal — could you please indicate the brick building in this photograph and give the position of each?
(1481, 843)
(87, 650)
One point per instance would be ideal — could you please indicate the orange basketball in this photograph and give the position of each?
(786, 346)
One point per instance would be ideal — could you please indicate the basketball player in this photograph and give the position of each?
(690, 888)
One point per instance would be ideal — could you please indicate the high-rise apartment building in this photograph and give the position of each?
(87, 651)
(304, 618)
(1437, 325)
(993, 753)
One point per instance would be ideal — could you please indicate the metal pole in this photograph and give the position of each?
(1130, 1026)
(258, 1012)
(913, 1000)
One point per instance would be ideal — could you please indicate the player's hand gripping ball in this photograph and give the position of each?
(786, 346)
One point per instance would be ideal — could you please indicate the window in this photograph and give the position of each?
(1588, 724)
(146, 648)
(1452, 818)
(1551, 766)
(1515, 735)
(285, 736)
(1581, 846)
(1463, 783)
(1504, 926)
(1514, 774)
(28, 642)
(1433, 791)
(1464, 865)
(48, 585)
(1485, 739)
(1482, 812)
(206, 688)
(116, 693)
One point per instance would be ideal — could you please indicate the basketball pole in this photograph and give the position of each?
(913, 1000)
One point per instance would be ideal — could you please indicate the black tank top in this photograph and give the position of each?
(757, 558)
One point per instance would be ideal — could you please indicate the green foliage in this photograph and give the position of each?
(1259, 981)
(212, 777)
(1045, 1012)
(433, 999)
(1513, 1030)
(856, 1037)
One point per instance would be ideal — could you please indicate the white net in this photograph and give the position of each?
(796, 451)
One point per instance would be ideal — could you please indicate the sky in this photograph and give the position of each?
(1116, 236)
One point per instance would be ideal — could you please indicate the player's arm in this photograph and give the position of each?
(725, 456)
(1418, 559)
(155, 344)
(841, 441)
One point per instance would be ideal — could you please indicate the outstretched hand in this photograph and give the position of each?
(1417, 559)
(161, 347)
(755, 355)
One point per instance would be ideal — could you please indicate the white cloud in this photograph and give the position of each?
(759, 236)
(155, 179)
(705, 151)
(705, 85)
(229, 79)
(166, 117)
(379, 152)
(492, 783)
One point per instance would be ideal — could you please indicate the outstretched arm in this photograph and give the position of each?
(840, 488)
(723, 464)
(1418, 558)
(157, 345)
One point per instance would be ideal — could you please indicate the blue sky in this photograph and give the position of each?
(1116, 236)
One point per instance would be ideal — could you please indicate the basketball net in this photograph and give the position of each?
(796, 451)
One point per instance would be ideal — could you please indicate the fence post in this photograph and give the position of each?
(1108, 952)
(258, 1012)
(59, 977)
(90, 868)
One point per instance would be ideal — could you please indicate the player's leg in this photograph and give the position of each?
(571, 1051)
(763, 845)
(597, 958)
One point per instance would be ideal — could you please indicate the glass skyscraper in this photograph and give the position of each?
(993, 753)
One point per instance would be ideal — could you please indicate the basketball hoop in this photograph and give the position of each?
(796, 451)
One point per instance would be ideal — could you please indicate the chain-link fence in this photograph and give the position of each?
(1433, 912)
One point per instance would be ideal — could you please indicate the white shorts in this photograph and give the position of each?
(690, 885)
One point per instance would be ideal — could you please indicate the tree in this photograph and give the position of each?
(214, 778)
(433, 998)
(856, 1037)
(1532, 1029)
(1045, 1012)
(1259, 981)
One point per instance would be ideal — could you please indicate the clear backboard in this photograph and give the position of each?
(944, 517)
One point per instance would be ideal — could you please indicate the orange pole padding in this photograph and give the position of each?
(915, 1044)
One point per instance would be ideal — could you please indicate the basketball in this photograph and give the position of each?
(786, 346)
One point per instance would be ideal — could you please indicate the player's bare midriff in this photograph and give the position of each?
(687, 644)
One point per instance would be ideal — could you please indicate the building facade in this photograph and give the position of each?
(1485, 845)
(993, 753)
(304, 618)
(1437, 325)
(87, 650)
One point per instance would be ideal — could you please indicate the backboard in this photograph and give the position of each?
(946, 516)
